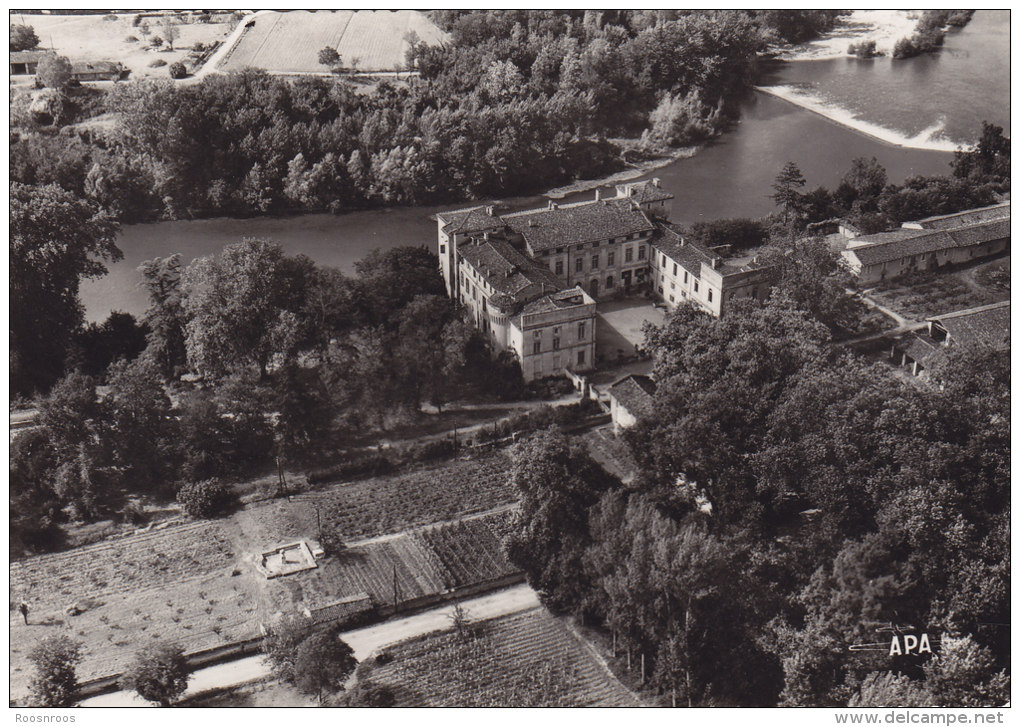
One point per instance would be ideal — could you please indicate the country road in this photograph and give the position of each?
(363, 641)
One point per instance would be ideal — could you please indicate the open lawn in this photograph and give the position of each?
(95, 38)
(926, 294)
(290, 41)
(525, 660)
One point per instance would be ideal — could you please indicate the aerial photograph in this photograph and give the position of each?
(510, 358)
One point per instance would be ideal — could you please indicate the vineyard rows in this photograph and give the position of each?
(421, 563)
(524, 660)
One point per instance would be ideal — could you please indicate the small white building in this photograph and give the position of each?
(630, 398)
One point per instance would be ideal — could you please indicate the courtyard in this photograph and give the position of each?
(619, 330)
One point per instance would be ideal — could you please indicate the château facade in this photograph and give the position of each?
(530, 280)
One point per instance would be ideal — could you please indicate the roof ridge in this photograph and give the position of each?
(970, 311)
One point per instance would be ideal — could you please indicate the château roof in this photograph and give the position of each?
(506, 269)
(643, 192)
(557, 301)
(465, 221)
(561, 226)
(686, 253)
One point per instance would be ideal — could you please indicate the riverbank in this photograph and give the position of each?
(633, 171)
(884, 27)
(929, 139)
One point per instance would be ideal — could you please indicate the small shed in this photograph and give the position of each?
(95, 71)
(630, 398)
(26, 62)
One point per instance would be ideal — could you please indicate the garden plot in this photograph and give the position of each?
(290, 41)
(386, 504)
(171, 585)
(524, 660)
(396, 570)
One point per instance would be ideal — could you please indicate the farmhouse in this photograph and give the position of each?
(984, 327)
(95, 71)
(26, 62)
(546, 268)
(929, 244)
(629, 399)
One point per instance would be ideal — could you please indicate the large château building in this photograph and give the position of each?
(530, 280)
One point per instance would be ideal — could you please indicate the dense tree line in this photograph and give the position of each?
(930, 33)
(791, 500)
(292, 359)
(517, 99)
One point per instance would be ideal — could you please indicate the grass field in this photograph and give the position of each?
(289, 42)
(524, 660)
(94, 38)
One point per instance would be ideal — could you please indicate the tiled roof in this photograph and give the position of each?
(578, 223)
(505, 269)
(473, 219)
(644, 192)
(962, 219)
(635, 394)
(987, 325)
(687, 253)
(29, 56)
(84, 67)
(556, 301)
(921, 348)
(340, 610)
(929, 241)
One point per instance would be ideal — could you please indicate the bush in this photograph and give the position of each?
(177, 70)
(134, 514)
(369, 694)
(158, 674)
(158, 63)
(156, 41)
(23, 37)
(131, 39)
(137, 21)
(111, 17)
(360, 465)
(199, 47)
(206, 499)
(739, 233)
(864, 49)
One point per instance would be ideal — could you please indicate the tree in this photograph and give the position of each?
(323, 662)
(55, 683)
(886, 689)
(165, 317)
(54, 72)
(991, 156)
(282, 643)
(56, 240)
(158, 674)
(786, 192)
(177, 70)
(390, 279)
(23, 37)
(206, 499)
(239, 307)
(329, 56)
(170, 34)
(119, 337)
(556, 484)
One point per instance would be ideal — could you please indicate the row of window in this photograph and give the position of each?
(557, 363)
(628, 256)
(625, 238)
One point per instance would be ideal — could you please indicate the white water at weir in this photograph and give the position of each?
(930, 139)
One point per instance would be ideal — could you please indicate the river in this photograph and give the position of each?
(844, 109)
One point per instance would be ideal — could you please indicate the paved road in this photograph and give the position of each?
(363, 641)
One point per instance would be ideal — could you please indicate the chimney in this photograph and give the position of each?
(655, 181)
(598, 194)
(532, 223)
(485, 235)
(490, 210)
(552, 205)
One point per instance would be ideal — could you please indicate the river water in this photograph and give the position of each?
(845, 109)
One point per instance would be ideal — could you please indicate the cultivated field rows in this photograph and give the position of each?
(528, 659)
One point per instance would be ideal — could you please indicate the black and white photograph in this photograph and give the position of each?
(510, 358)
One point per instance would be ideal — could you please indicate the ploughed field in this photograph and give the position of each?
(196, 583)
(290, 41)
(529, 659)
